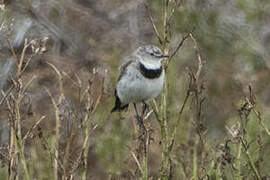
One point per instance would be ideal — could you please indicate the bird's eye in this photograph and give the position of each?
(152, 54)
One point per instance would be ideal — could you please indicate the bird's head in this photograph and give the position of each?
(150, 56)
(150, 52)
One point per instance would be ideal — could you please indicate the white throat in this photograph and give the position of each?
(151, 64)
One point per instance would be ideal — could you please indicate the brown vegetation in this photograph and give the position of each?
(210, 122)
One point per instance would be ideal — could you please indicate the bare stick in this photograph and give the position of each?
(57, 116)
(178, 47)
(180, 113)
(176, 4)
(19, 67)
(137, 161)
(153, 24)
(199, 58)
(250, 161)
(13, 52)
(29, 132)
(5, 95)
(258, 114)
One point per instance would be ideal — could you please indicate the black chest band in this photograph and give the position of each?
(150, 73)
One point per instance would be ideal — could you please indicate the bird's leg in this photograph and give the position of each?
(139, 118)
(146, 108)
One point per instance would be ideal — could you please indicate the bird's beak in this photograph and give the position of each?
(163, 56)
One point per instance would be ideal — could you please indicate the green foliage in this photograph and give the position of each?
(233, 143)
(3, 171)
(112, 149)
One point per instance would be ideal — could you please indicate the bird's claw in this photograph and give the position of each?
(146, 108)
(140, 122)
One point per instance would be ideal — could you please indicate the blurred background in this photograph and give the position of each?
(87, 37)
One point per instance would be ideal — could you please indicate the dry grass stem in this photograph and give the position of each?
(56, 104)
(30, 131)
(180, 44)
(54, 109)
(152, 22)
(137, 162)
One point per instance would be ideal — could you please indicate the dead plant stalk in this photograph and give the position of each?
(56, 103)
(167, 139)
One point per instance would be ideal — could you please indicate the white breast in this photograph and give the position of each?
(151, 64)
(134, 87)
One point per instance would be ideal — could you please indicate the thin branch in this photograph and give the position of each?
(27, 63)
(198, 98)
(20, 63)
(148, 114)
(156, 110)
(199, 58)
(152, 22)
(27, 86)
(5, 95)
(179, 46)
(60, 81)
(137, 161)
(176, 4)
(51, 97)
(250, 161)
(258, 114)
(71, 80)
(180, 113)
(32, 128)
(57, 116)
(99, 97)
(13, 51)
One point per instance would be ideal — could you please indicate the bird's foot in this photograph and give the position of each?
(146, 108)
(140, 122)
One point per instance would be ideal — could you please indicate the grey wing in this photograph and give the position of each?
(123, 68)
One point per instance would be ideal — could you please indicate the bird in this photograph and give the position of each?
(141, 78)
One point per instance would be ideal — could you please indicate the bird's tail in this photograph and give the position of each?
(118, 105)
(114, 108)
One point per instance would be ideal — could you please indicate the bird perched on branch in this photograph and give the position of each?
(140, 79)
